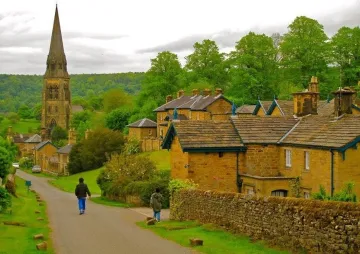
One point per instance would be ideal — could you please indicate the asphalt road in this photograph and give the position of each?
(102, 230)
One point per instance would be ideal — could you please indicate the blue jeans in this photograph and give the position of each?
(81, 202)
(157, 215)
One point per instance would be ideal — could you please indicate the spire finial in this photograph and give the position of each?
(175, 114)
(233, 109)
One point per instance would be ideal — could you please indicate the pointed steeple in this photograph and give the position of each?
(56, 65)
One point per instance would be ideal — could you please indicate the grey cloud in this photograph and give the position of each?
(332, 22)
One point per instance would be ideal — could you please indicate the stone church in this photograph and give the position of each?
(56, 96)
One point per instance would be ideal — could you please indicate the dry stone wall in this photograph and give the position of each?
(299, 224)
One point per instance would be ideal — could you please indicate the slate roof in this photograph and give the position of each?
(205, 135)
(195, 103)
(245, 109)
(34, 139)
(143, 123)
(324, 131)
(76, 108)
(326, 108)
(20, 138)
(286, 107)
(263, 130)
(40, 145)
(65, 149)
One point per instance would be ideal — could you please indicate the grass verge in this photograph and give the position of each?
(216, 241)
(108, 202)
(22, 126)
(15, 239)
(161, 159)
(68, 183)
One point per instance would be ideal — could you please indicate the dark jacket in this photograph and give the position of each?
(81, 190)
(156, 201)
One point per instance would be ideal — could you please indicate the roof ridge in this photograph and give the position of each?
(288, 133)
(142, 122)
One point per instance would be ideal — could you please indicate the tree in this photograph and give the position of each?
(305, 50)
(163, 78)
(207, 63)
(58, 133)
(253, 68)
(24, 112)
(116, 98)
(13, 117)
(346, 53)
(92, 153)
(80, 117)
(5, 163)
(118, 119)
(36, 111)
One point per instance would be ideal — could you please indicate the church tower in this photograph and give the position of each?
(56, 97)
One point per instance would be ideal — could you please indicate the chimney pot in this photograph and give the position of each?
(169, 98)
(195, 92)
(207, 92)
(218, 91)
(180, 93)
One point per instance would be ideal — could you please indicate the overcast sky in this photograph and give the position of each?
(110, 36)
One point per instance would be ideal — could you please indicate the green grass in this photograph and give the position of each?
(16, 239)
(108, 202)
(216, 241)
(68, 183)
(21, 126)
(161, 158)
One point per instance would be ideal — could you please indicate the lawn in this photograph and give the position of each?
(216, 241)
(161, 158)
(21, 126)
(68, 183)
(15, 239)
(108, 202)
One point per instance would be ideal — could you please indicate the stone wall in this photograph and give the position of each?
(316, 226)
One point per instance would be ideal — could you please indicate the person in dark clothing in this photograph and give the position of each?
(81, 192)
(156, 203)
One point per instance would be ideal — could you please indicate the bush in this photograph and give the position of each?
(5, 200)
(26, 162)
(346, 194)
(132, 146)
(178, 184)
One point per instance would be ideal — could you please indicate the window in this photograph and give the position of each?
(279, 193)
(288, 158)
(249, 190)
(307, 160)
(49, 109)
(56, 109)
(307, 194)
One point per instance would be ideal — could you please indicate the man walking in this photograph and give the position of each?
(156, 203)
(81, 192)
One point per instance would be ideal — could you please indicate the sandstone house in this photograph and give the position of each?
(266, 155)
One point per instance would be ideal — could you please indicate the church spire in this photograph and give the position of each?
(56, 60)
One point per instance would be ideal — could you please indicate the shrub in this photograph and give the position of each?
(5, 163)
(346, 194)
(178, 184)
(26, 162)
(132, 146)
(5, 200)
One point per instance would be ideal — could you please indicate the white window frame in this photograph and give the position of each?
(288, 158)
(307, 160)
(307, 194)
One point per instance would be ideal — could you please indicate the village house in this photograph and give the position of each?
(271, 155)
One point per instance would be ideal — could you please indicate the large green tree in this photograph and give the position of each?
(118, 119)
(5, 162)
(93, 152)
(207, 63)
(116, 98)
(253, 69)
(305, 50)
(161, 79)
(346, 54)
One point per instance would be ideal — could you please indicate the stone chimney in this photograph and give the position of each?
(306, 103)
(169, 98)
(195, 92)
(207, 92)
(72, 136)
(87, 133)
(218, 91)
(180, 93)
(343, 101)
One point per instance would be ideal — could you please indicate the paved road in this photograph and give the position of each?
(102, 230)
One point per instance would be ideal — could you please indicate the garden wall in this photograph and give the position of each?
(316, 226)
